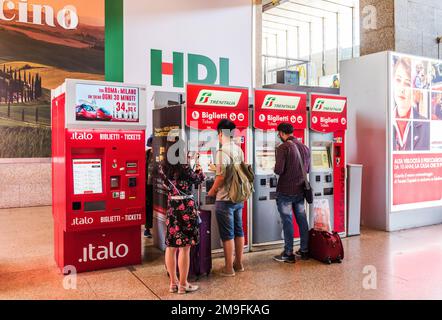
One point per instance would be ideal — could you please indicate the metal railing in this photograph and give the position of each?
(272, 64)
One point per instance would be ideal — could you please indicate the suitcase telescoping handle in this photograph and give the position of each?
(198, 197)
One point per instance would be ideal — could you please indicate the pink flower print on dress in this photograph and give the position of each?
(179, 242)
(186, 217)
(191, 203)
(181, 207)
(172, 231)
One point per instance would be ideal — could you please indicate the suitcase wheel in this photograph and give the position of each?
(328, 261)
(339, 259)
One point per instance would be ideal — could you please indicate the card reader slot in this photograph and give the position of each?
(273, 195)
(131, 165)
(95, 206)
(328, 191)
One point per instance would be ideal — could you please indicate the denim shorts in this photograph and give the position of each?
(229, 217)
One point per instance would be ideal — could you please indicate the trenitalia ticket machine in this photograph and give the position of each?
(270, 109)
(98, 174)
(328, 125)
(193, 126)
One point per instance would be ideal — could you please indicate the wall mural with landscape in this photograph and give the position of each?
(42, 42)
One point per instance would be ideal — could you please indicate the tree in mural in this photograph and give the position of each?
(18, 86)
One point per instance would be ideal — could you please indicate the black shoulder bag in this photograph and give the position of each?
(308, 192)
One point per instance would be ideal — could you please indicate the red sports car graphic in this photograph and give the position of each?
(86, 112)
(103, 114)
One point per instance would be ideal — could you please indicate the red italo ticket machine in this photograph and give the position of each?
(271, 108)
(98, 174)
(328, 125)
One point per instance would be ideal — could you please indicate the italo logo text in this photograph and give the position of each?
(329, 105)
(215, 74)
(277, 102)
(19, 11)
(82, 221)
(218, 98)
(81, 136)
(99, 253)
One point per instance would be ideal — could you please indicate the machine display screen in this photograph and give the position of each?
(106, 103)
(266, 161)
(204, 159)
(87, 176)
(320, 159)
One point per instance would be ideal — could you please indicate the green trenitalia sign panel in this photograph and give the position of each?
(114, 41)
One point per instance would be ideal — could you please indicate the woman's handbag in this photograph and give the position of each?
(308, 192)
(184, 196)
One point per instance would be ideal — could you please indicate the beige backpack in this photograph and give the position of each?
(239, 180)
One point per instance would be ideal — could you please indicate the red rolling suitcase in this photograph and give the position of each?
(325, 246)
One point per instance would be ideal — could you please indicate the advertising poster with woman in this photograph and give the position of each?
(42, 42)
(416, 132)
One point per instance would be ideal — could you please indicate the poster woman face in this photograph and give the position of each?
(402, 88)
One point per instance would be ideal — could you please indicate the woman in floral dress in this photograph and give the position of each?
(182, 222)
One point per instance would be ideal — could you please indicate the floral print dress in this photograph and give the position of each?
(182, 215)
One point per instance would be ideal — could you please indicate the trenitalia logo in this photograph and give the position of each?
(276, 102)
(67, 18)
(214, 73)
(218, 98)
(205, 97)
(329, 105)
(269, 101)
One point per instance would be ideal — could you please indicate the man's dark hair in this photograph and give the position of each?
(226, 125)
(286, 128)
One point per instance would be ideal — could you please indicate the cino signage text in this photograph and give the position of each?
(18, 11)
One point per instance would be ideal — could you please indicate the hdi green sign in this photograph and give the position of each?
(159, 68)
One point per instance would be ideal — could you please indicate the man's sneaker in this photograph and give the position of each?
(283, 257)
(303, 255)
(147, 234)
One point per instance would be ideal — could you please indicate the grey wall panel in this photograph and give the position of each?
(365, 82)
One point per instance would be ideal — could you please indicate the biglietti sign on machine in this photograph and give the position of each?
(98, 173)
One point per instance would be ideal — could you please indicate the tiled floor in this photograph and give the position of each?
(407, 265)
